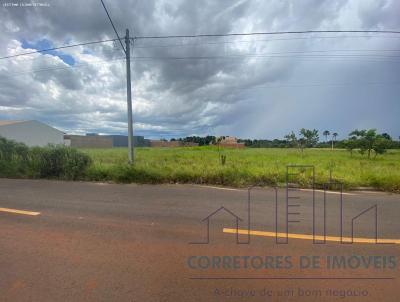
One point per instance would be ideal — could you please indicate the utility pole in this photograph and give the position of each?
(129, 97)
(127, 51)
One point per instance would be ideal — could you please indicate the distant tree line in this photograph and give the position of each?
(202, 141)
(367, 142)
(264, 143)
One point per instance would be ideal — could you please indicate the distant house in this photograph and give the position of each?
(31, 133)
(230, 142)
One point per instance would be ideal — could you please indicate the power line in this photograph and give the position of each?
(339, 50)
(255, 56)
(185, 58)
(55, 56)
(352, 51)
(204, 35)
(265, 55)
(112, 24)
(191, 58)
(56, 48)
(263, 40)
(270, 33)
(102, 62)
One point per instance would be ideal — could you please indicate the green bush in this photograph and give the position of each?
(13, 158)
(10, 150)
(58, 162)
(18, 160)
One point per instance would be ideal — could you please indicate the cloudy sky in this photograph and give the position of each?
(247, 86)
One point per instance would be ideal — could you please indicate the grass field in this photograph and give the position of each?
(244, 167)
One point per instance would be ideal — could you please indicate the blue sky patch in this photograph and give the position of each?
(44, 44)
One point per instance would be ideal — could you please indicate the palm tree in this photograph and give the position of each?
(334, 138)
(326, 133)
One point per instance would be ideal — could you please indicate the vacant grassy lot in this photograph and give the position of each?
(245, 167)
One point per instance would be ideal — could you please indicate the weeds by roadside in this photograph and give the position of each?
(198, 165)
(18, 160)
(245, 167)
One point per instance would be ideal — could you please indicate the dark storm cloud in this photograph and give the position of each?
(218, 89)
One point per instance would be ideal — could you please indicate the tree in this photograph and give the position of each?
(369, 140)
(307, 139)
(350, 144)
(310, 137)
(291, 139)
(381, 144)
(326, 133)
(387, 136)
(208, 140)
(334, 135)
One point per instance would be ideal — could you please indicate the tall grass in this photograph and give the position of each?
(18, 160)
(244, 166)
(200, 165)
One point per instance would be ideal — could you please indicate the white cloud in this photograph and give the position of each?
(218, 94)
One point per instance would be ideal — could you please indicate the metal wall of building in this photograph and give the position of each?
(32, 133)
(122, 141)
(81, 141)
(103, 141)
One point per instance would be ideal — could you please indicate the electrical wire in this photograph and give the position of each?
(262, 40)
(225, 57)
(102, 62)
(112, 24)
(138, 58)
(208, 35)
(56, 48)
(269, 33)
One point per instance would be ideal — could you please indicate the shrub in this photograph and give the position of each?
(59, 162)
(10, 150)
(13, 158)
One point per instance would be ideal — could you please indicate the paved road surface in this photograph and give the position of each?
(107, 242)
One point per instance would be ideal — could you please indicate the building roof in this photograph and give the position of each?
(14, 122)
(9, 122)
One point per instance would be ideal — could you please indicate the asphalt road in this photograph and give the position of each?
(107, 242)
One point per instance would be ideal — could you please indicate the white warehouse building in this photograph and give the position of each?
(31, 133)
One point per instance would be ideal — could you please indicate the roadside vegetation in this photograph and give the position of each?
(365, 159)
(244, 167)
(18, 160)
